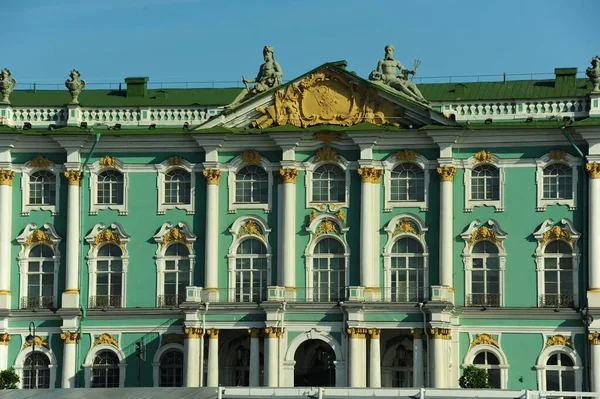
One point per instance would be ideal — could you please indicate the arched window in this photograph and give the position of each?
(251, 185)
(105, 370)
(329, 184)
(40, 278)
(177, 274)
(558, 275)
(178, 187)
(109, 277)
(42, 188)
(171, 368)
(251, 271)
(110, 188)
(407, 271)
(485, 183)
(36, 371)
(488, 361)
(329, 270)
(558, 182)
(485, 275)
(560, 373)
(407, 183)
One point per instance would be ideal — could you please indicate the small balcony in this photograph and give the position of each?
(485, 300)
(37, 302)
(106, 301)
(405, 295)
(170, 301)
(557, 300)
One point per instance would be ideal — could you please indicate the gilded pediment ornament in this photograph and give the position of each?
(484, 233)
(558, 339)
(405, 226)
(38, 341)
(174, 235)
(172, 339)
(556, 233)
(175, 161)
(38, 236)
(106, 339)
(483, 156)
(327, 226)
(251, 157)
(108, 162)
(251, 228)
(406, 155)
(40, 161)
(485, 339)
(557, 155)
(326, 154)
(107, 235)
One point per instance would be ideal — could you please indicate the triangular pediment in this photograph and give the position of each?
(331, 96)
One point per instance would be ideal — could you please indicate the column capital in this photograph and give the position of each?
(6, 177)
(69, 337)
(73, 177)
(192, 333)
(274, 332)
(287, 175)
(254, 332)
(212, 176)
(593, 170)
(213, 333)
(375, 333)
(440, 333)
(446, 173)
(417, 333)
(354, 332)
(4, 338)
(594, 338)
(369, 174)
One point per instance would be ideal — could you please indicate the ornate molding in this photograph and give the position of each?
(4, 338)
(175, 161)
(38, 341)
(212, 176)
(251, 157)
(6, 177)
(172, 339)
(107, 235)
(406, 155)
(326, 154)
(484, 156)
(38, 236)
(558, 339)
(287, 175)
(593, 169)
(106, 339)
(406, 226)
(254, 332)
(557, 155)
(417, 333)
(69, 337)
(213, 333)
(40, 161)
(485, 339)
(369, 175)
(108, 162)
(274, 332)
(556, 233)
(73, 177)
(193, 333)
(375, 333)
(440, 333)
(594, 338)
(446, 173)
(484, 233)
(360, 333)
(251, 228)
(174, 235)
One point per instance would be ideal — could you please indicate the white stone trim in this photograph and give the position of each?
(310, 166)
(95, 169)
(23, 257)
(388, 166)
(89, 363)
(546, 161)
(503, 366)
(26, 171)
(539, 255)
(22, 356)
(92, 257)
(543, 357)
(156, 361)
(467, 254)
(163, 168)
(235, 166)
(468, 166)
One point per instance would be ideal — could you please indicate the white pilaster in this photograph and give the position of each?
(4, 340)
(6, 178)
(594, 232)
(594, 338)
(446, 174)
(69, 364)
(375, 358)
(272, 335)
(287, 178)
(212, 378)
(356, 344)
(70, 297)
(211, 280)
(439, 357)
(254, 357)
(418, 370)
(191, 357)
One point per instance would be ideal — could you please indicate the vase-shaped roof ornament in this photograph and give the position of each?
(7, 84)
(75, 85)
(594, 74)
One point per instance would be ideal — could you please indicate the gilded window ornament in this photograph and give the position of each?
(108, 162)
(38, 341)
(4, 338)
(484, 233)
(485, 339)
(193, 333)
(40, 161)
(172, 339)
(593, 169)
(406, 226)
(593, 337)
(313, 215)
(558, 339)
(251, 157)
(326, 154)
(69, 337)
(107, 235)
(6, 177)
(175, 161)
(556, 233)
(369, 175)
(341, 215)
(38, 236)
(212, 176)
(326, 136)
(440, 333)
(106, 339)
(287, 175)
(251, 228)
(557, 155)
(406, 155)
(484, 156)
(327, 227)
(446, 173)
(174, 235)
(73, 177)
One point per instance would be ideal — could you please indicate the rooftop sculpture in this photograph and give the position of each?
(7, 85)
(594, 74)
(75, 85)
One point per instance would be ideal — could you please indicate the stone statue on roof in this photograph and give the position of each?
(390, 72)
(269, 75)
(594, 74)
(7, 84)
(75, 85)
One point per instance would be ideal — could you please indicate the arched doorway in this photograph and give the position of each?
(315, 364)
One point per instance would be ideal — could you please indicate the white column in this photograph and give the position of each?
(211, 280)
(70, 297)
(356, 345)
(439, 357)
(594, 338)
(446, 174)
(69, 363)
(368, 230)
(272, 335)
(594, 228)
(4, 340)
(375, 358)
(254, 357)
(287, 178)
(6, 179)
(191, 355)
(212, 378)
(418, 370)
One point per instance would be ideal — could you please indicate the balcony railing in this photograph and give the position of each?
(557, 300)
(106, 301)
(170, 301)
(404, 295)
(37, 302)
(487, 300)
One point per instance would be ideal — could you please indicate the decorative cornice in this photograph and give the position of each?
(440, 333)
(485, 339)
(327, 226)
(287, 175)
(38, 341)
(374, 333)
(106, 339)
(69, 337)
(446, 173)
(417, 333)
(4, 338)
(360, 333)
(557, 155)
(594, 338)
(213, 333)
(406, 155)
(251, 156)
(6, 177)
(254, 332)
(193, 333)
(108, 162)
(369, 175)
(172, 339)
(484, 233)
(212, 176)
(73, 177)
(556, 233)
(593, 169)
(558, 339)
(40, 161)
(484, 156)
(326, 154)
(175, 161)
(405, 226)
(107, 235)
(174, 235)
(251, 228)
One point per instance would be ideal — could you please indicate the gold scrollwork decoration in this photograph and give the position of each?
(251, 228)
(593, 169)
(40, 161)
(446, 173)
(212, 176)
(327, 226)
(108, 162)
(106, 339)
(484, 233)
(73, 177)
(485, 339)
(341, 215)
(557, 155)
(313, 215)
(69, 337)
(251, 157)
(38, 341)
(405, 226)
(175, 161)
(174, 235)
(558, 339)
(484, 156)
(406, 155)
(6, 177)
(556, 233)
(172, 339)
(369, 175)
(38, 236)
(106, 235)
(326, 154)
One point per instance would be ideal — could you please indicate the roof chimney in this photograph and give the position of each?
(565, 77)
(137, 86)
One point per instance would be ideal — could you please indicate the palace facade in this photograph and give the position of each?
(327, 231)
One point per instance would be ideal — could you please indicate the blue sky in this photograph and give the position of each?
(197, 40)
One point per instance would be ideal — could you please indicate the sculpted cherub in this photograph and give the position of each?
(75, 85)
(7, 84)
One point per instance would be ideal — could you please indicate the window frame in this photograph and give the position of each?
(95, 170)
(468, 166)
(27, 170)
(167, 166)
(311, 166)
(236, 165)
(91, 355)
(393, 161)
(503, 365)
(19, 363)
(551, 158)
(157, 358)
(541, 365)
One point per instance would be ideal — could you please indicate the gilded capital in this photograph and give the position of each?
(274, 332)
(6, 177)
(287, 175)
(417, 333)
(440, 333)
(360, 333)
(69, 337)
(593, 337)
(254, 332)
(4, 338)
(74, 177)
(374, 333)
(192, 333)
(213, 333)
(212, 176)
(446, 173)
(593, 169)
(369, 175)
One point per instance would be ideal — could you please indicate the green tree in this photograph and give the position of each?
(8, 379)
(474, 377)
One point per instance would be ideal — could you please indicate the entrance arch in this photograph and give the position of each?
(315, 364)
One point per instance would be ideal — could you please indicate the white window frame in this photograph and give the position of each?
(547, 160)
(541, 365)
(19, 363)
(95, 169)
(315, 238)
(502, 359)
(468, 166)
(467, 254)
(389, 165)
(390, 229)
(163, 237)
(92, 256)
(52, 240)
(237, 239)
(165, 167)
(311, 165)
(26, 173)
(156, 361)
(234, 167)
(89, 363)
(567, 226)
